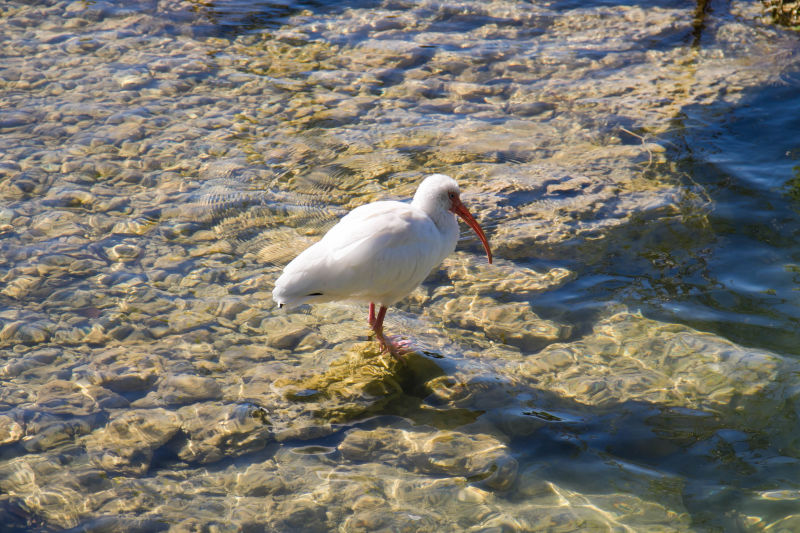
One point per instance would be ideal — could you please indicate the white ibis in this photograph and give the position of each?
(379, 252)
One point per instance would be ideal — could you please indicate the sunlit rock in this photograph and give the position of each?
(479, 458)
(215, 431)
(182, 389)
(126, 444)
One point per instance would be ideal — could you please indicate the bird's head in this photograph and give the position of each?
(440, 193)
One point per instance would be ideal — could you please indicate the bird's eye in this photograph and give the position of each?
(452, 195)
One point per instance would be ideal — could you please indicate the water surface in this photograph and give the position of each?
(629, 362)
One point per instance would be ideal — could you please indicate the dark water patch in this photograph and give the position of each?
(166, 456)
(236, 17)
(727, 262)
(663, 4)
(683, 448)
(746, 162)
(122, 523)
(17, 518)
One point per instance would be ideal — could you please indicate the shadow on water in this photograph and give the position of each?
(746, 161)
(710, 460)
(236, 17)
(715, 460)
(729, 261)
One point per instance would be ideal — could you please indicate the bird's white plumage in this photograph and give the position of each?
(377, 253)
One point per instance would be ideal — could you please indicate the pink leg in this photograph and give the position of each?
(377, 322)
(377, 327)
(371, 318)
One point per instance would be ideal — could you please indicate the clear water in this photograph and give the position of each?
(630, 362)
(731, 266)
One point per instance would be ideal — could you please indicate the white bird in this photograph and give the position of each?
(379, 252)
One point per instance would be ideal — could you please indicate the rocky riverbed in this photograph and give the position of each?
(161, 160)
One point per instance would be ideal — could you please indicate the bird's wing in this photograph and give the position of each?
(370, 230)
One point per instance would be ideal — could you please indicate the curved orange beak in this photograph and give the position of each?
(459, 209)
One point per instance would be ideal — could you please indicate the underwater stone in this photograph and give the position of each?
(185, 388)
(215, 431)
(478, 457)
(10, 430)
(127, 442)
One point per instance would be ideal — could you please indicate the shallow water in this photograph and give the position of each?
(629, 363)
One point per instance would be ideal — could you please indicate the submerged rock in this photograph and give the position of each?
(514, 324)
(10, 430)
(69, 398)
(503, 278)
(182, 389)
(785, 12)
(127, 374)
(127, 443)
(479, 458)
(362, 382)
(218, 431)
(631, 358)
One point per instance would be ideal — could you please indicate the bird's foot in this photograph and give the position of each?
(394, 345)
(402, 344)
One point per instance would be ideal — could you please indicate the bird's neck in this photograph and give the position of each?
(444, 219)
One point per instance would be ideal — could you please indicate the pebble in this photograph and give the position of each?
(216, 432)
(81, 45)
(31, 360)
(125, 376)
(259, 480)
(10, 430)
(63, 397)
(285, 338)
(229, 308)
(183, 389)
(25, 332)
(132, 79)
(117, 135)
(126, 444)
(14, 119)
(123, 252)
(57, 434)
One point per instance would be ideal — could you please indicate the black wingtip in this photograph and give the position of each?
(280, 306)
